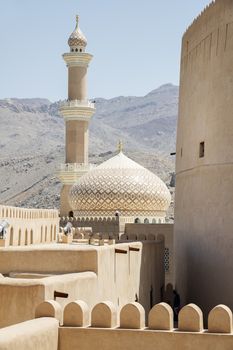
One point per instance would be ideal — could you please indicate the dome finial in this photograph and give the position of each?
(77, 19)
(120, 146)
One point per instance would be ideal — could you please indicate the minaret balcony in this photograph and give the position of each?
(69, 173)
(77, 109)
(78, 103)
(77, 59)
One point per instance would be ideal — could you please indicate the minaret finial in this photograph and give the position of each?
(77, 19)
(120, 146)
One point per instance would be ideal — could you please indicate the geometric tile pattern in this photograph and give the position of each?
(77, 38)
(166, 259)
(132, 190)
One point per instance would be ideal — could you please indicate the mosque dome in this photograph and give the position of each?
(77, 38)
(120, 184)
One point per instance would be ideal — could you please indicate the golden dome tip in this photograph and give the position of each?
(120, 146)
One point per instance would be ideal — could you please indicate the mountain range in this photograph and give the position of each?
(32, 141)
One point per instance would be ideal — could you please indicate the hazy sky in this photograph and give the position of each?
(135, 43)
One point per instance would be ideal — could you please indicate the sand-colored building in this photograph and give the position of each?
(80, 288)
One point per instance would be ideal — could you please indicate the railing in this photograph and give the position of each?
(78, 103)
(76, 167)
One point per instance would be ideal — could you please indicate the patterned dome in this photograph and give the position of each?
(120, 184)
(77, 38)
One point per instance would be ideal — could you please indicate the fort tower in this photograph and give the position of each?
(77, 112)
(204, 161)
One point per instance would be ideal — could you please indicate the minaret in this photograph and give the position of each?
(77, 112)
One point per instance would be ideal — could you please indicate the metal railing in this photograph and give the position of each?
(76, 167)
(78, 103)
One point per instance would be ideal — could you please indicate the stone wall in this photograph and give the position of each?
(151, 232)
(120, 273)
(103, 327)
(160, 333)
(40, 334)
(29, 226)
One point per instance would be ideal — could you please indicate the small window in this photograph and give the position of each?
(80, 50)
(72, 50)
(76, 50)
(202, 149)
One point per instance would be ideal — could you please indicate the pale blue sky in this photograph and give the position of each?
(135, 43)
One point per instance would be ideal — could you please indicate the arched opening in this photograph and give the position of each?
(154, 221)
(11, 236)
(26, 238)
(137, 221)
(31, 237)
(146, 221)
(76, 50)
(55, 233)
(71, 214)
(51, 233)
(80, 50)
(41, 234)
(19, 237)
(45, 234)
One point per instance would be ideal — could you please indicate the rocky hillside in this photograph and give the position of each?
(32, 141)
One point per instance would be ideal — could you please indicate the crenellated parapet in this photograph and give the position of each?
(9, 212)
(209, 35)
(132, 316)
(103, 328)
(23, 226)
(200, 16)
(105, 226)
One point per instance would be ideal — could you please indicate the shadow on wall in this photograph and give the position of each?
(152, 273)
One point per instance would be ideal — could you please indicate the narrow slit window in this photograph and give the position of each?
(202, 149)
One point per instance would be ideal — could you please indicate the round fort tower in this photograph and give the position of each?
(204, 161)
(77, 112)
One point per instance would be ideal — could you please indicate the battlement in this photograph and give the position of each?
(132, 316)
(209, 35)
(105, 328)
(76, 220)
(104, 225)
(8, 212)
(203, 13)
(28, 226)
